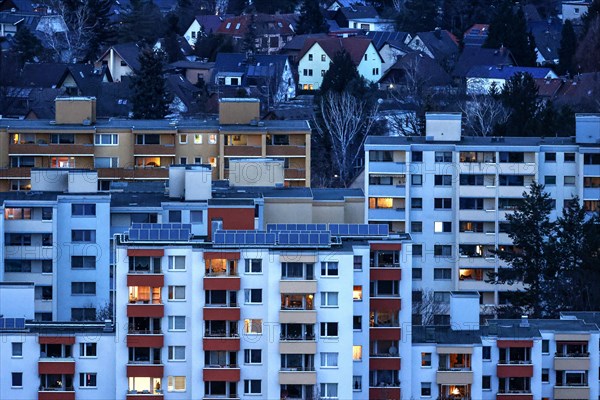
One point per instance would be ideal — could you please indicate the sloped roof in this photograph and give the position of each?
(495, 72)
(20, 5)
(184, 90)
(441, 43)
(380, 38)
(281, 24)
(230, 62)
(547, 37)
(475, 55)
(43, 75)
(476, 35)
(548, 87)
(113, 98)
(358, 11)
(298, 41)
(210, 23)
(582, 88)
(427, 70)
(87, 77)
(355, 46)
(129, 52)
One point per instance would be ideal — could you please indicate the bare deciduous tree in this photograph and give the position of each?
(483, 113)
(346, 121)
(427, 307)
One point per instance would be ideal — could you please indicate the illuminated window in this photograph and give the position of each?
(17, 213)
(212, 139)
(183, 139)
(253, 326)
(425, 359)
(176, 384)
(381, 202)
(357, 353)
(63, 162)
(357, 293)
(198, 139)
(442, 227)
(212, 161)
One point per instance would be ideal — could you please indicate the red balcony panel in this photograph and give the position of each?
(56, 395)
(222, 344)
(514, 396)
(386, 246)
(387, 304)
(514, 371)
(221, 374)
(145, 341)
(505, 344)
(384, 393)
(145, 252)
(384, 363)
(56, 367)
(57, 339)
(221, 314)
(385, 333)
(222, 283)
(386, 274)
(152, 280)
(146, 310)
(149, 371)
(145, 397)
(220, 255)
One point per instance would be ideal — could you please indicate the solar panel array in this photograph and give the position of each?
(246, 238)
(296, 227)
(310, 238)
(152, 232)
(334, 229)
(12, 323)
(284, 238)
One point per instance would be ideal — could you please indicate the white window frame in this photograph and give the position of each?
(197, 138)
(85, 386)
(249, 324)
(248, 387)
(248, 356)
(329, 360)
(248, 266)
(357, 353)
(172, 264)
(16, 345)
(212, 138)
(183, 138)
(326, 265)
(172, 381)
(173, 294)
(248, 296)
(12, 379)
(329, 391)
(326, 333)
(83, 352)
(172, 353)
(172, 323)
(114, 139)
(326, 299)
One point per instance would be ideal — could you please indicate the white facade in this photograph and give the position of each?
(574, 10)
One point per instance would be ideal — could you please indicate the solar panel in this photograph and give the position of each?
(9, 323)
(134, 234)
(20, 323)
(1, 323)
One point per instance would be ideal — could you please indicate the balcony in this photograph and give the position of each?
(145, 370)
(297, 286)
(221, 282)
(571, 392)
(51, 149)
(388, 167)
(15, 173)
(143, 395)
(243, 151)
(223, 313)
(145, 279)
(153, 150)
(58, 394)
(384, 363)
(298, 346)
(515, 369)
(50, 365)
(454, 377)
(385, 333)
(383, 302)
(153, 339)
(386, 214)
(478, 168)
(477, 191)
(298, 317)
(297, 376)
(225, 373)
(133, 173)
(572, 361)
(146, 310)
(385, 393)
(385, 274)
(221, 343)
(285, 150)
(515, 395)
(387, 190)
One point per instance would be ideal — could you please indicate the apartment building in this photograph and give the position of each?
(299, 311)
(60, 234)
(506, 359)
(124, 149)
(452, 193)
(52, 360)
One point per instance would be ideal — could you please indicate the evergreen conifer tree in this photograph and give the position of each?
(311, 19)
(148, 84)
(568, 46)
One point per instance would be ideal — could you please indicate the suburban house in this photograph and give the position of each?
(575, 9)
(75, 79)
(17, 5)
(547, 36)
(337, 4)
(185, 50)
(473, 55)
(193, 71)
(364, 18)
(10, 21)
(391, 46)
(121, 59)
(317, 54)
(476, 35)
(441, 45)
(415, 71)
(481, 77)
(203, 25)
(272, 31)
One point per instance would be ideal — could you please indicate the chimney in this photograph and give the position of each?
(75, 110)
(108, 325)
(438, 32)
(233, 111)
(524, 321)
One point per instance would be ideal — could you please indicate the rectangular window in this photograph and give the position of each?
(442, 227)
(486, 382)
(375, 71)
(425, 359)
(87, 379)
(471, 179)
(550, 180)
(443, 156)
(569, 180)
(323, 57)
(176, 353)
(252, 386)
(183, 138)
(252, 356)
(443, 180)
(486, 352)
(83, 209)
(357, 293)
(106, 162)
(253, 296)
(176, 384)
(196, 216)
(62, 138)
(357, 383)
(106, 139)
(329, 299)
(416, 227)
(416, 180)
(329, 360)
(83, 235)
(310, 57)
(176, 322)
(329, 268)
(176, 263)
(17, 379)
(358, 263)
(83, 262)
(442, 250)
(329, 390)
(17, 349)
(83, 314)
(550, 157)
(569, 157)
(357, 322)
(176, 293)
(442, 273)
(443, 203)
(357, 353)
(545, 375)
(417, 250)
(175, 216)
(212, 139)
(253, 266)
(183, 160)
(83, 288)
(545, 346)
(253, 326)
(416, 156)
(512, 180)
(416, 203)
(417, 274)
(197, 139)
(88, 350)
(425, 389)
(329, 329)
(511, 157)
(17, 213)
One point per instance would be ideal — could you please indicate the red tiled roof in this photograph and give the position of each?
(265, 23)
(355, 46)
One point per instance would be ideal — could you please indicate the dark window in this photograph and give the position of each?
(83, 262)
(471, 180)
(486, 382)
(569, 157)
(83, 235)
(442, 273)
(417, 273)
(417, 156)
(511, 157)
(416, 227)
(357, 322)
(417, 249)
(443, 156)
(486, 352)
(466, 203)
(174, 216)
(550, 157)
(83, 209)
(591, 159)
(380, 156)
(512, 180)
(443, 202)
(17, 379)
(443, 180)
(416, 180)
(417, 203)
(545, 346)
(442, 250)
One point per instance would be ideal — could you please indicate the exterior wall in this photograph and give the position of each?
(194, 27)
(114, 65)
(371, 69)
(574, 10)
(317, 65)
(389, 55)
(75, 110)
(238, 111)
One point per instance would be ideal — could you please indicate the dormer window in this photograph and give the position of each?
(237, 26)
(228, 25)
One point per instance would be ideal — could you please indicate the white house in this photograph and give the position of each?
(481, 77)
(202, 25)
(317, 54)
(574, 10)
(372, 24)
(121, 59)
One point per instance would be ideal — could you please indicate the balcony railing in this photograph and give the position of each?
(308, 336)
(384, 355)
(297, 369)
(144, 362)
(144, 332)
(220, 274)
(156, 391)
(221, 305)
(388, 324)
(384, 265)
(220, 334)
(221, 366)
(515, 362)
(586, 354)
(384, 384)
(512, 391)
(57, 389)
(454, 369)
